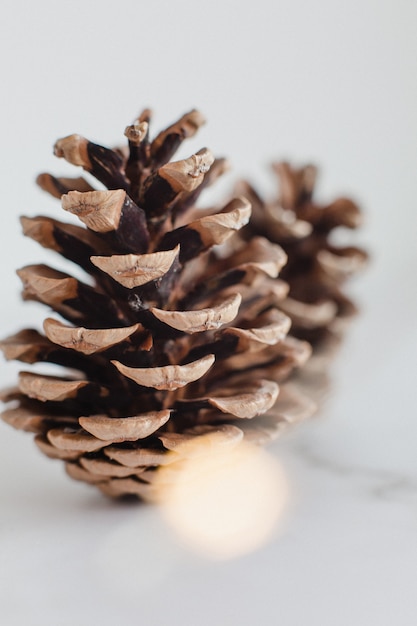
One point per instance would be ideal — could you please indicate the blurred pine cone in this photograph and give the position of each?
(317, 267)
(168, 338)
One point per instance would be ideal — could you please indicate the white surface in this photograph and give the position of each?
(329, 81)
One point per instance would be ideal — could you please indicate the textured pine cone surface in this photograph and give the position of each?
(317, 267)
(173, 336)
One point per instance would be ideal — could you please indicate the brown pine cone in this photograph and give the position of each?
(316, 267)
(168, 339)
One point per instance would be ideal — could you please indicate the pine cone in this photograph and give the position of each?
(316, 268)
(169, 338)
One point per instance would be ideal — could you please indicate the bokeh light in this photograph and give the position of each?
(223, 501)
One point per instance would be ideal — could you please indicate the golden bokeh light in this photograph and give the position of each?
(222, 500)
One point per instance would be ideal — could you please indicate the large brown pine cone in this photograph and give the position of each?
(168, 339)
(317, 267)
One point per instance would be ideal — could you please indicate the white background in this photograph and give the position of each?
(328, 81)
